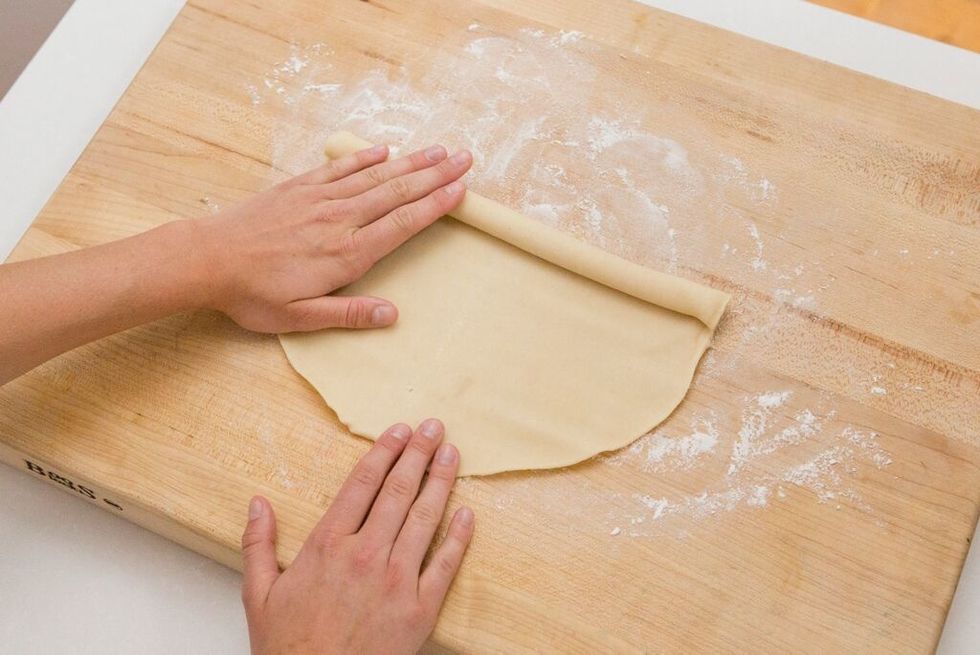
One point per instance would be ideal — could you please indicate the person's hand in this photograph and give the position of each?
(358, 584)
(272, 260)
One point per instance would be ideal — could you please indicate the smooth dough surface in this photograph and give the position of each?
(536, 350)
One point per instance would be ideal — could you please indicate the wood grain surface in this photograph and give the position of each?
(817, 489)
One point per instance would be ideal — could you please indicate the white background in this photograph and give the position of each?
(76, 579)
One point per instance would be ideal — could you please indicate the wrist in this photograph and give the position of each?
(195, 265)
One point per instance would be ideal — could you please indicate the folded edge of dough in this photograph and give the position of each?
(674, 293)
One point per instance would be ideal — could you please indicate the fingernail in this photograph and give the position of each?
(465, 515)
(254, 509)
(400, 431)
(430, 428)
(382, 315)
(379, 149)
(435, 153)
(461, 157)
(454, 188)
(446, 454)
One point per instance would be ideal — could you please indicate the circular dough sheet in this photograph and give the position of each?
(529, 364)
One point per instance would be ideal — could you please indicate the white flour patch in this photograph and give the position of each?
(212, 206)
(602, 175)
(757, 263)
(773, 446)
(766, 188)
(267, 437)
(755, 422)
(759, 496)
(658, 451)
(253, 94)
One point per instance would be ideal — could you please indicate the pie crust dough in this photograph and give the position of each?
(537, 350)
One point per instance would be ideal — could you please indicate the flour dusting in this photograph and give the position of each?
(606, 172)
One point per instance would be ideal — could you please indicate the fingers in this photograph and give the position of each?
(442, 568)
(339, 312)
(259, 554)
(347, 512)
(402, 484)
(384, 235)
(368, 178)
(336, 169)
(396, 192)
(427, 510)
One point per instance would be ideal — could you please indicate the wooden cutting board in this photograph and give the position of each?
(817, 489)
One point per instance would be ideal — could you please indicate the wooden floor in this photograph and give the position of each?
(956, 22)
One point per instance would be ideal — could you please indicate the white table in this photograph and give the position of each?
(76, 579)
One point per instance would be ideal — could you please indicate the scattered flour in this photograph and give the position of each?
(606, 177)
(600, 174)
(757, 263)
(773, 446)
(759, 496)
(659, 452)
(212, 206)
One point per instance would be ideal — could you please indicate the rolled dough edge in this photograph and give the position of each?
(674, 293)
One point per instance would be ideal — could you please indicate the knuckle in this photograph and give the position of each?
(442, 474)
(355, 314)
(351, 253)
(399, 486)
(390, 444)
(334, 210)
(403, 219)
(366, 476)
(251, 539)
(446, 170)
(447, 565)
(364, 560)
(395, 576)
(331, 170)
(401, 188)
(326, 542)
(422, 446)
(420, 160)
(374, 175)
(425, 513)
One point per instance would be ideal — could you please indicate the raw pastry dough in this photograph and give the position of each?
(536, 350)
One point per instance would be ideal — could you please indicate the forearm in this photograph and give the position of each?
(269, 262)
(53, 304)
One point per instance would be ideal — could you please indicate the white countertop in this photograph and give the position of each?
(76, 579)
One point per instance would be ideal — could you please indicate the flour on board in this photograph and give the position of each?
(605, 175)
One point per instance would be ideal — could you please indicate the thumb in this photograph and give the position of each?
(340, 312)
(259, 553)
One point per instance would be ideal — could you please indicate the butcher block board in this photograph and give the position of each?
(817, 489)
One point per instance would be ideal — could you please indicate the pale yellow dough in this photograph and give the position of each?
(536, 350)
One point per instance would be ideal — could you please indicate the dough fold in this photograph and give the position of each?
(701, 302)
(537, 350)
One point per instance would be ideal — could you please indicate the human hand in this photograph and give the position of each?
(358, 585)
(272, 259)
